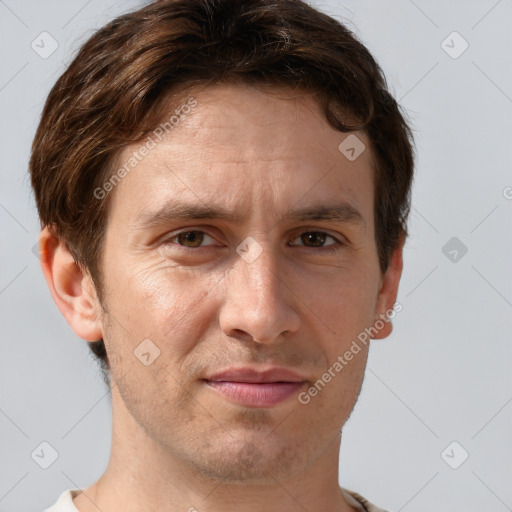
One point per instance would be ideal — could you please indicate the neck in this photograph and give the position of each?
(144, 475)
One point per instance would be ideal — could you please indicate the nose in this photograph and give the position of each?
(259, 304)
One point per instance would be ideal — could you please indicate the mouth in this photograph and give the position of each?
(251, 387)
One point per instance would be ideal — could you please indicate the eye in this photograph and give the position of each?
(317, 240)
(189, 239)
(310, 239)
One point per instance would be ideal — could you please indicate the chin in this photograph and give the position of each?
(255, 458)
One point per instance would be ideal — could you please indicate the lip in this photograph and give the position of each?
(253, 375)
(255, 388)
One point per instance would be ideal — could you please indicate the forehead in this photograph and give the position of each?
(237, 139)
(277, 121)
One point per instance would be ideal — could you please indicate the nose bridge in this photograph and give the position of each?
(257, 300)
(259, 276)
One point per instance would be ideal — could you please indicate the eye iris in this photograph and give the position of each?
(194, 237)
(312, 237)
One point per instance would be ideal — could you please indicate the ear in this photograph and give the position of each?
(388, 292)
(71, 289)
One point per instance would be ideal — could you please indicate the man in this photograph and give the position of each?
(223, 189)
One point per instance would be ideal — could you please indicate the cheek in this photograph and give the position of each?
(165, 303)
(341, 300)
(328, 402)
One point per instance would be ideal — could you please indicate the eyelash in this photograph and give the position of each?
(325, 249)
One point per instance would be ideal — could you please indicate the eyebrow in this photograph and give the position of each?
(343, 213)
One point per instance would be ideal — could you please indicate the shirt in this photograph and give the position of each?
(65, 502)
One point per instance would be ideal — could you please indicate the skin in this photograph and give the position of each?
(176, 443)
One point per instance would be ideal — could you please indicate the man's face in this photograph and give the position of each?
(299, 304)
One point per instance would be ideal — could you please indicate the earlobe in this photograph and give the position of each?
(388, 293)
(72, 290)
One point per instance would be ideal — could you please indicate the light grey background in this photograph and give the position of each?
(444, 375)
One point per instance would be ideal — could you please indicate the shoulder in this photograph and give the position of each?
(64, 502)
(368, 507)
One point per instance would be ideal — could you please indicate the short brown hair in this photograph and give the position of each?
(112, 95)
